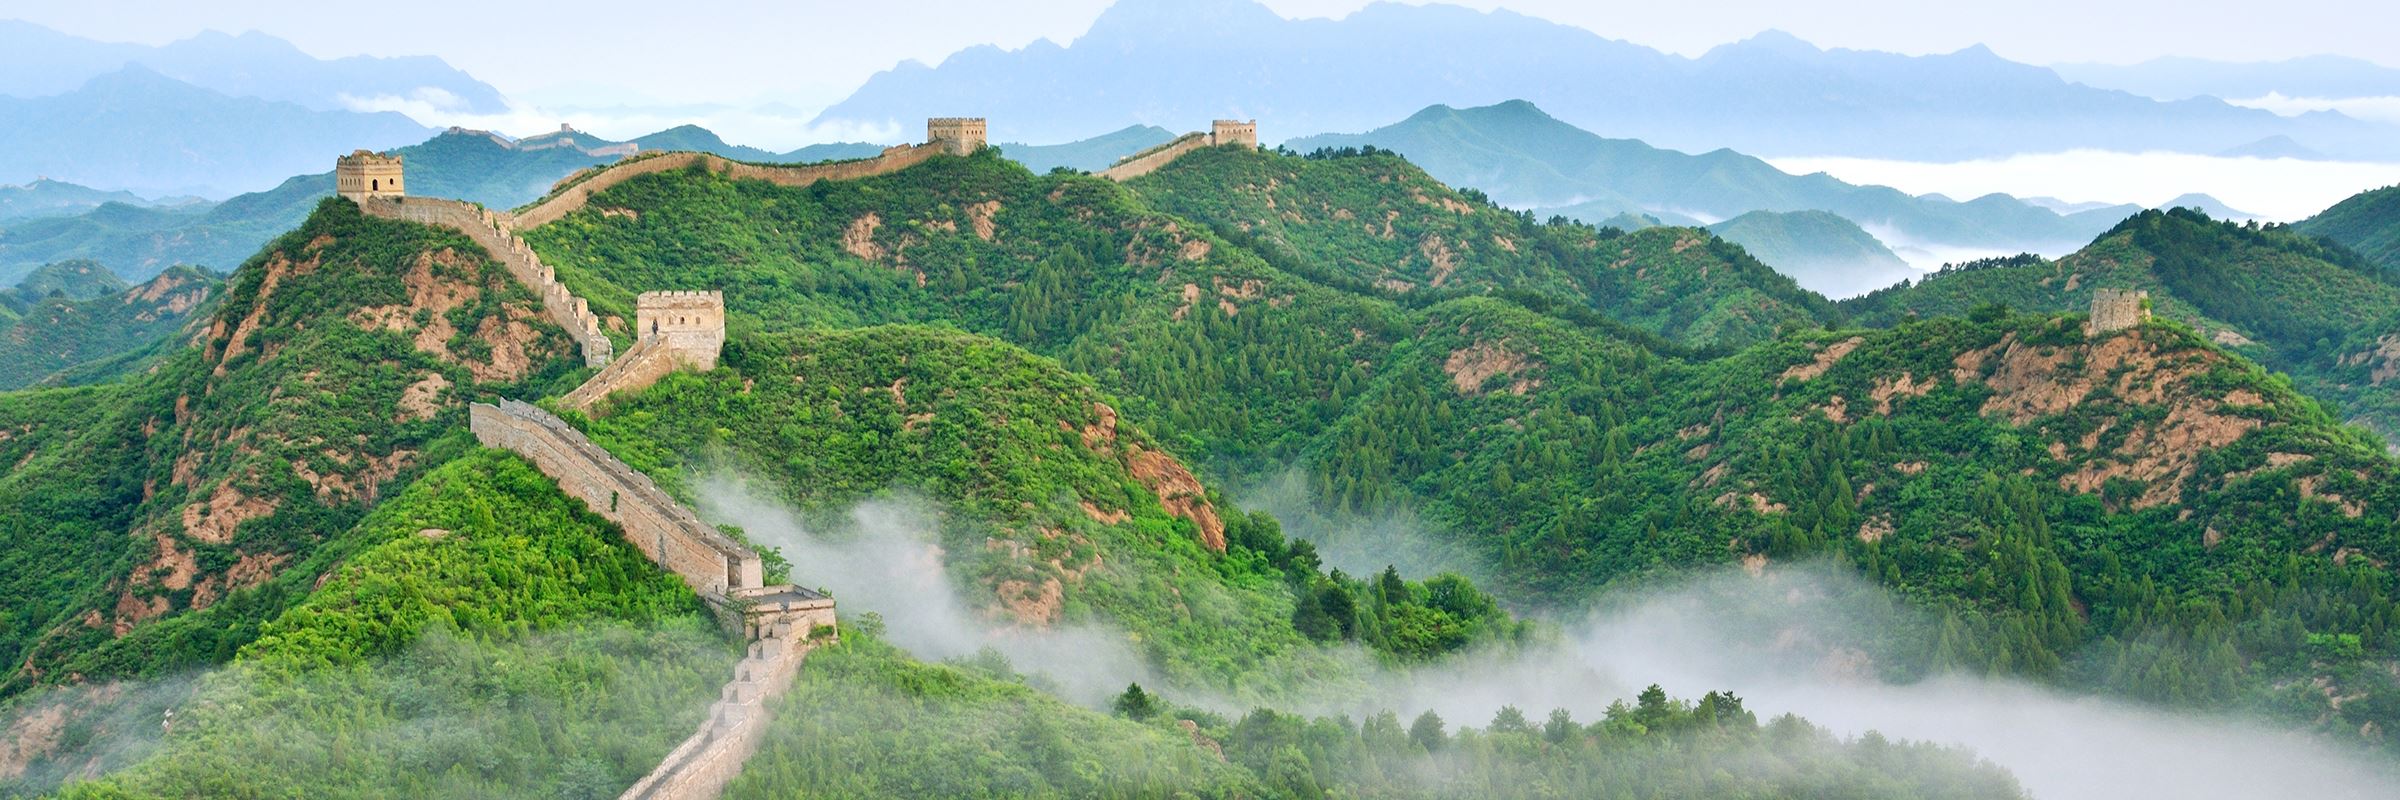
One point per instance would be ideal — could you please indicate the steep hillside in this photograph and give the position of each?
(2042, 491)
(2368, 223)
(1825, 253)
(1377, 220)
(2316, 311)
(175, 511)
(123, 328)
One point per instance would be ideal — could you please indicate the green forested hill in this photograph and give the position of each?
(2317, 311)
(1068, 369)
(154, 522)
(2367, 222)
(1359, 218)
(106, 335)
(2133, 512)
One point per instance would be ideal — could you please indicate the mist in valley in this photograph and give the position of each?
(1799, 638)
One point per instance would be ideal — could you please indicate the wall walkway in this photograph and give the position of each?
(577, 190)
(493, 231)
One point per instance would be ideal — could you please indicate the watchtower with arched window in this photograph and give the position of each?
(363, 174)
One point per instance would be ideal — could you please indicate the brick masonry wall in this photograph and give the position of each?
(1144, 163)
(642, 364)
(494, 233)
(663, 529)
(574, 197)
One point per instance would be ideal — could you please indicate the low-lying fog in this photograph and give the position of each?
(2277, 189)
(1777, 640)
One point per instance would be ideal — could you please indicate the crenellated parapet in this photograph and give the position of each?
(364, 174)
(1239, 133)
(957, 136)
(494, 232)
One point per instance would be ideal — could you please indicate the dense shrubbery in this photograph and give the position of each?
(493, 639)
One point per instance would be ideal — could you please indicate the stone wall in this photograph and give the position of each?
(1148, 161)
(713, 564)
(737, 722)
(2116, 310)
(577, 190)
(641, 365)
(492, 231)
(1220, 132)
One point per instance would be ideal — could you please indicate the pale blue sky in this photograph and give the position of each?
(811, 52)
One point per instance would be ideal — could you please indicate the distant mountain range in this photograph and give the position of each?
(1772, 95)
(49, 198)
(1827, 254)
(36, 61)
(2181, 78)
(137, 130)
(1526, 158)
(1090, 155)
(139, 238)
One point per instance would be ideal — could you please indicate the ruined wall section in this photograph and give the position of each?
(576, 191)
(713, 564)
(2116, 310)
(493, 232)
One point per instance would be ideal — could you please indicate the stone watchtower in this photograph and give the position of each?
(2116, 310)
(1234, 131)
(691, 325)
(958, 136)
(363, 174)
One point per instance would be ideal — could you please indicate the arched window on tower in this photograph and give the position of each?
(375, 185)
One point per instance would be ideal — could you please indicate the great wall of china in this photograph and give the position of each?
(675, 330)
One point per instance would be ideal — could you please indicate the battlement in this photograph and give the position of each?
(2117, 309)
(690, 324)
(957, 136)
(364, 173)
(1234, 131)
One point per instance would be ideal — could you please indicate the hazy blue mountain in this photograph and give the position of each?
(1526, 158)
(49, 198)
(137, 130)
(2176, 78)
(74, 280)
(36, 61)
(2214, 208)
(2274, 147)
(1090, 155)
(139, 242)
(1827, 254)
(831, 151)
(699, 139)
(1772, 95)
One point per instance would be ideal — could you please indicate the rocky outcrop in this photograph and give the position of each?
(496, 234)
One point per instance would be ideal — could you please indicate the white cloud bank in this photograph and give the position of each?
(2279, 189)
